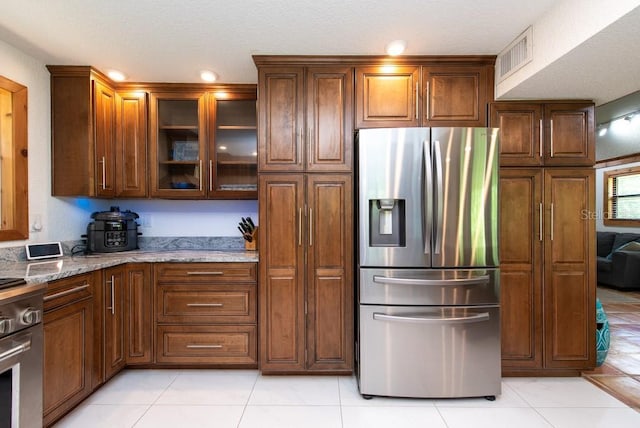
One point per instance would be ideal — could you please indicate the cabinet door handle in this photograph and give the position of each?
(211, 175)
(205, 305)
(540, 138)
(204, 346)
(299, 227)
(310, 227)
(417, 98)
(113, 297)
(540, 222)
(65, 292)
(552, 222)
(205, 273)
(200, 172)
(104, 172)
(551, 135)
(426, 92)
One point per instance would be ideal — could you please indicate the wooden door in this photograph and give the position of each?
(520, 132)
(569, 134)
(280, 119)
(387, 96)
(330, 270)
(137, 313)
(456, 96)
(131, 144)
(521, 261)
(114, 345)
(569, 290)
(329, 120)
(282, 237)
(104, 135)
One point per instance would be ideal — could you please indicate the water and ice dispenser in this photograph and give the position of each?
(387, 225)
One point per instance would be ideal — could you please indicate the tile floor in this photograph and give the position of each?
(607, 397)
(620, 373)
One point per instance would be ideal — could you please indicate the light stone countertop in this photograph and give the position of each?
(49, 270)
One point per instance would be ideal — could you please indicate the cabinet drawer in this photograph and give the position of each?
(205, 272)
(68, 290)
(217, 303)
(206, 344)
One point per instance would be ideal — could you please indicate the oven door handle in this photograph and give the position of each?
(17, 349)
(484, 316)
(483, 279)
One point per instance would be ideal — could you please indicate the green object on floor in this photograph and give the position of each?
(602, 334)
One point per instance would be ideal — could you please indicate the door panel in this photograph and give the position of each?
(104, 126)
(569, 134)
(520, 133)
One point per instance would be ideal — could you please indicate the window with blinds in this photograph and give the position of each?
(623, 197)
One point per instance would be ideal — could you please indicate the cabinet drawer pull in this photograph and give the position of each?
(112, 308)
(417, 99)
(204, 346)
(211, 175)
(427, 99)
(65, 292)
(205, 305)
(551, 135)
(540, 139)
(205, 273)
(104, 172)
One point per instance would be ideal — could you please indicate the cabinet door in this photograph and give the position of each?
(177, 126)
(233, 147)
(329, 119)
(281, 119)
(114, 349)
(68, 351)
(329, 273)
(456, 96)
(281, 292)
(569, 134)
(521, 238)
(569, 291)
(520, 132)
(387, 96)
(104, 134)
(131, 144)
(137, 312)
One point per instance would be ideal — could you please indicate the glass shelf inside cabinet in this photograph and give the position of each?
(236, 146)
(179, 162)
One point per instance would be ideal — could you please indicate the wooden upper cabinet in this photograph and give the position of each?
(131, 144)
(456, 96)
(104, 135)
(280, 119)
(305, 119)
(387, 96)
(549, 134)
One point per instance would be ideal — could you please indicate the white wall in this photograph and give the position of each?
(64, 219)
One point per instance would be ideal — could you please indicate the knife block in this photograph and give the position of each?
(253, 245)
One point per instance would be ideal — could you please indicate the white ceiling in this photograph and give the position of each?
(171, 41)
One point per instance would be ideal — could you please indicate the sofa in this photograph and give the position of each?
(618, 260)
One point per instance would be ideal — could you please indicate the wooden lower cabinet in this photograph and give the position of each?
(206, 314)
(547, 263)
(114, 280)
(138, 314)
(68, 344)
(306, 285)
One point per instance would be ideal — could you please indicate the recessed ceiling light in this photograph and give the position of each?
(116, 75)
(208, 76)
(222, 147)
(396, 47)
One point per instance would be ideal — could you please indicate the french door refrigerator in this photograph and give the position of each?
(428, 280)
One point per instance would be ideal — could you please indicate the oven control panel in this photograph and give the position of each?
(19, 312)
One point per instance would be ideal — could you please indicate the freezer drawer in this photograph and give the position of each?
(441, 287)
(429, 352)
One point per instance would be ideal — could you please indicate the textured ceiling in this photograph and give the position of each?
(171, 41)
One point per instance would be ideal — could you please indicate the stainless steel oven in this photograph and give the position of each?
(20, 354)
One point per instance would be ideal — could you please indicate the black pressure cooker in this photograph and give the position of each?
(112, 231)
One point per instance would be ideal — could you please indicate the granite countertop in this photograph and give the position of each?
(49, 270)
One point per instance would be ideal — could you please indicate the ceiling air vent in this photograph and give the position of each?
(515, 56)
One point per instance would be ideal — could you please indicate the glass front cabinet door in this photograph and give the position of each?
(178, 142)
(232, 146)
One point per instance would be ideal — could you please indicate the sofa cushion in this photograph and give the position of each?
(603, 264)
(623, 238)
(605, 243)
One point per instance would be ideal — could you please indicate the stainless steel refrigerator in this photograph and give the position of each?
(428, 280)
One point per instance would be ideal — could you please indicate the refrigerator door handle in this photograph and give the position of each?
(439, 197)
(427, 197)
(484, 316)
(482, 279)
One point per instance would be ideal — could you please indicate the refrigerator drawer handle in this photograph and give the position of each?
(484, 316)
(484, 279)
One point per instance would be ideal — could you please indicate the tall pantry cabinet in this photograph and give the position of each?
(548, 273)
(305, 234)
